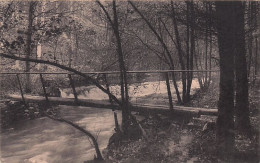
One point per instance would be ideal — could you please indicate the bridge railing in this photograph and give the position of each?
(144, 86)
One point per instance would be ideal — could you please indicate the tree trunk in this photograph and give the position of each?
(210, 40)
(206, 47)
(256, 54)
(197, 66)
(70, 56)
(123, 75)
(28, 49)
(186, 90)
(180, 52)
(242, 104)
(192, 50)
(225, 122)
(170, 59)
(250, 37)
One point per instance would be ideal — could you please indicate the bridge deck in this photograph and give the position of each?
(144, 108)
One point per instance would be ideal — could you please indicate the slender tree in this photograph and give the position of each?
(179, 47)
(256, 58)
(127, 117)
(123, 75)
(185, 90)
(210, 40)
(206, 45)
(162, 42)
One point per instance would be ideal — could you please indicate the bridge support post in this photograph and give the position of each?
(169, 90)
(73, 88)
(44, 89)
(107, 86)
(20, 86)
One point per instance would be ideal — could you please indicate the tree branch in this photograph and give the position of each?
(95, 82)
(107, 14)
(155, 33)
(94, 140)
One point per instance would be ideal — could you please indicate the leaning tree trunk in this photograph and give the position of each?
(180, 52)
(225, 122)
(168, 54)
(242, 104)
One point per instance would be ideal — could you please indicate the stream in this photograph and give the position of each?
(43, 140)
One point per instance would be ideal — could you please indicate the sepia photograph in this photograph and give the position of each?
(129, 81)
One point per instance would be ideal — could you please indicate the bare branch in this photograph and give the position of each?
(107, 14)
(94, 140)
(95, 82)
(155, 33)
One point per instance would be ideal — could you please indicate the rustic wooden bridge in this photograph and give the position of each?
(142, 108)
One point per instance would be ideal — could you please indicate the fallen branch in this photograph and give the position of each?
(94, 140)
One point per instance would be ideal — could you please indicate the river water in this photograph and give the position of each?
(136, 91)
(46, 141)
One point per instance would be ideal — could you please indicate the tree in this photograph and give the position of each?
(127, 117)
(225, 14)
(179, 47)
(189, 63)
(28, 50)
(167, 56)
(232, 51)
(241, 97)
(181, 33)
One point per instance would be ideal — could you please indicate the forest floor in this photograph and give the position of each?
(172, 141)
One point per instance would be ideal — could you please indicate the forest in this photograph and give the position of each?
(129, 81)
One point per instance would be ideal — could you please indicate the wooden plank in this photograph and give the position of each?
(201, 111)
(143, 108)
(65, 101)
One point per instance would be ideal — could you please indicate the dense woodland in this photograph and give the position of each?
(78, 37)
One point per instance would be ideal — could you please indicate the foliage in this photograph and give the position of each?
(13, 112)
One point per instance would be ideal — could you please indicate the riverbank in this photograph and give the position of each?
(171, 141)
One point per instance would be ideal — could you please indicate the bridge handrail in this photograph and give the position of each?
(166, 72)
(111, 72)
